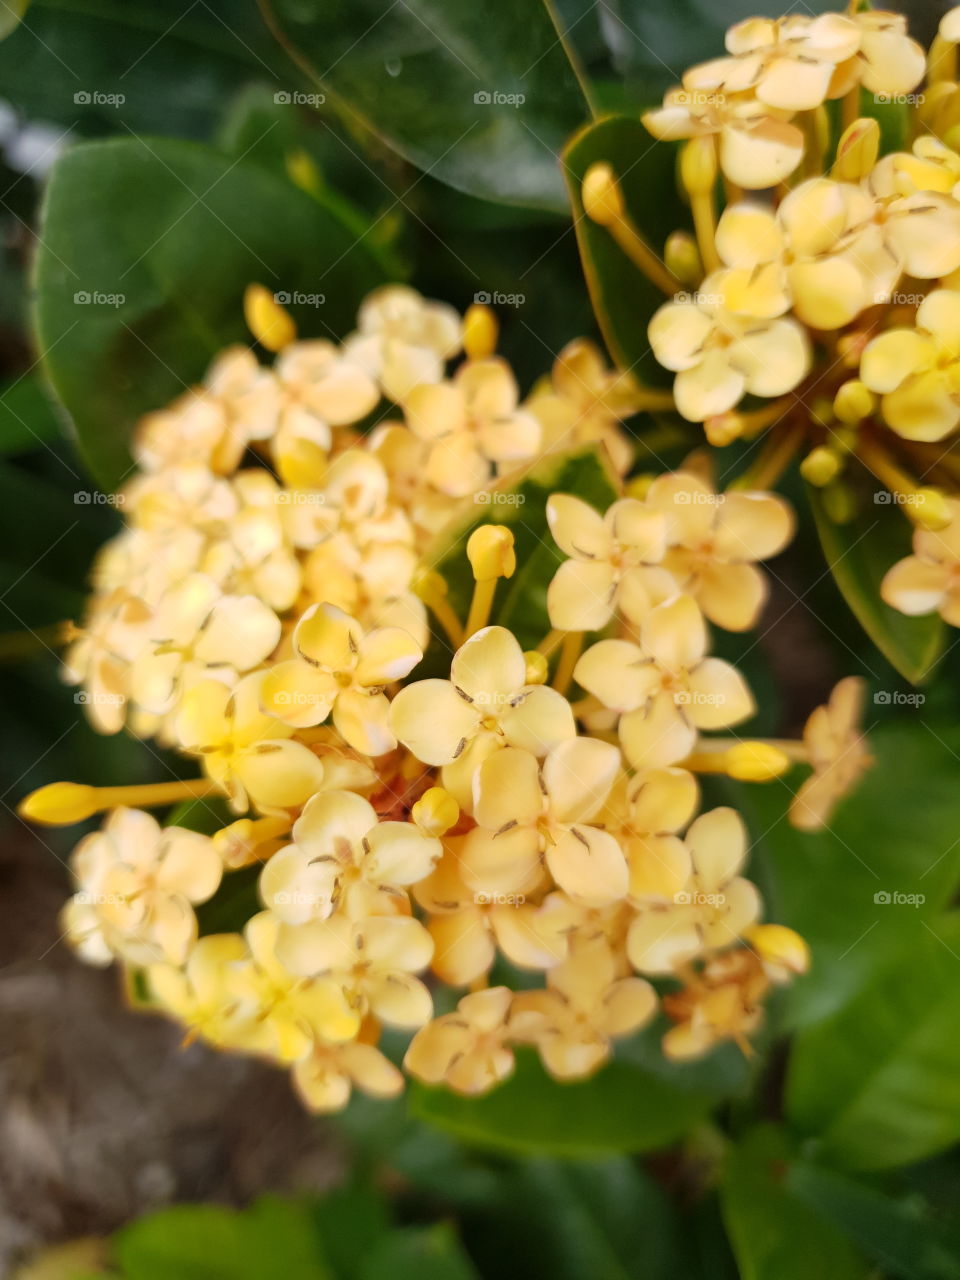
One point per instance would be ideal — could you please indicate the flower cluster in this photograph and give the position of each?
(265, 611)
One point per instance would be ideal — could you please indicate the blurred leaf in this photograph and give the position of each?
(900, 1239)
(419, 1253)
(520, 502)
(233, 904)
(143, 259)
(775, 1235)
(620, 1109)
(350, 1220)
(439, 83)
(859, 553)
(28, 419)
(624, 299)
(895, 834)
(11, 15)
(878, 1084)
(206, 815)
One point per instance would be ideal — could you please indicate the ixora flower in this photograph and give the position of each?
(343, 855)
(929, 580)
(319, 388)
(326, 1078)
(665, 688)
(917, 370)
(645, 813)
(470, 424)
(614, 562)
(340, 668)
(403, 340)
(714, 540)
(137, 887)
(469, 1050)
(838, 753)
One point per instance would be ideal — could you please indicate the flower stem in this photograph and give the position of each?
(569, 654)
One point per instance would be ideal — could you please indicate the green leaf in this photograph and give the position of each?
(878, 1084)
(144, 254)
(775, 1235)
(11, 15)
(419, 1253)
(859, 553)
(482, 101)
(620, 1109)
(236, 900)
(28, 419)
(895, 1233)
(896, 834)
(623, 298)
(520, 503)
(206, 815)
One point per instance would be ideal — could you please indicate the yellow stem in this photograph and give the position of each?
(480, 605)
(551, 643)
(642, 256)
(15, 645)
(569, 654)
(153, 794)
(705, 225)
(851, 106)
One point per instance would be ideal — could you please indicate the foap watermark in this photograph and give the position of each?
(88, 899)
(698, 698)
(299, 898)
(495, 98)
(299, 299)
(901, 99)
(96, 298)
(295, 98)
(898, 698)
(884, 498)
(494, 498)
(299, 498)
(94, 98)
(499, 899)
(698, 498)
(299, 698)
(894, 898)
(898, 299)
(87, 698)
(94, 498)
(687, 898)
(497, 299)
(699, 299)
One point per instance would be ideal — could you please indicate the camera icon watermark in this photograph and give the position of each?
(94, 98)
(494, 498)
(898, 698)
(894, 898)
(294, 98)
(494, 98)
(299, 299)
(94, 498)
(484, 298)
(95, 298)
(499, 899)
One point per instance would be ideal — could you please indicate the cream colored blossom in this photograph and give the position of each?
(583, 1008)
(99, 658)
(198, 995)
(714, 540)
(471, 424)
(614, 563)
(838, 753)
(645, 813)
(929, 580)
(469, 1050)
(721, 1003)
(325, 1079)
(319, 388)
(585, 403)
(713, 909)
(403, 340)
(917, 370)
(256, 558)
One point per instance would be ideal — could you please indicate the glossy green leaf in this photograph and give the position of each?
(878, 1084)
(482, 101)
(620, 1109)
(144, 255)
(775, 1235)
(419, 1253)
(897, 1234)
(623, 297)
(859, 553)
(895, 835)
(28, 419)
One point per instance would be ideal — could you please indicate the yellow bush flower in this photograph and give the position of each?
(917, 370)
(468, 1050)
(929, 580)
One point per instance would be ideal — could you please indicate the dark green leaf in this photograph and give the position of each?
(620, 1109)
(28, 419)
(145, 253)
(859, 553)
(483, 101)
(419, 1253)
(11, 15)
(878, 1084)
(775, 1235)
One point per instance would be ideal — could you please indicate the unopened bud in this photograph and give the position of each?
(303, 172)
(59, 804)
(698, 165)
(435, 812)
(839, 502)
(854, 401)
(272, 327)
(537, 667)
(756, 762)
(491, 553)
(820, 466)
(931, 509)
(681, 257)
(601, 195)
(857, 151)
(480, 330)
(781, 948)
(639, 486)
(723, 428)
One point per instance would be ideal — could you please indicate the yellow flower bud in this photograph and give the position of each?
(303, 172)
(931, 509)
(857, 151)
(854, 402)
(820, 466)
(537, 667)
(682, 257)
(724, 428)
(435, 812)
(272, 327)
(490, 552)
(821, 411)
(428, 585)
(756, 762)
(601, 195)
(639, 486)
(779, 947)
(59, 804)
(698, 165)
(480, 330)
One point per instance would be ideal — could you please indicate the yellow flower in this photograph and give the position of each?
(584, 1007)
(838, 753)
(888, 61)
(402, 340)
(468, 1050)
(137, 885)
(99, 657)
(247, 753)
(585, 402)
(665, 688)
(722, 1003)
(325, 1078)
(341, 669)
(471, 423)
(343, 857)
(917, 370)
(714, 908)
(714, 540)
(485, 704)
(527, 815)
(720, 354)
(920, 224)
(373, 960)
(242, 398)
(645, 814)
(256, 557)
(319, 388)
(198, 995)
(613, 564)
(929, 580)
(185, 496)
